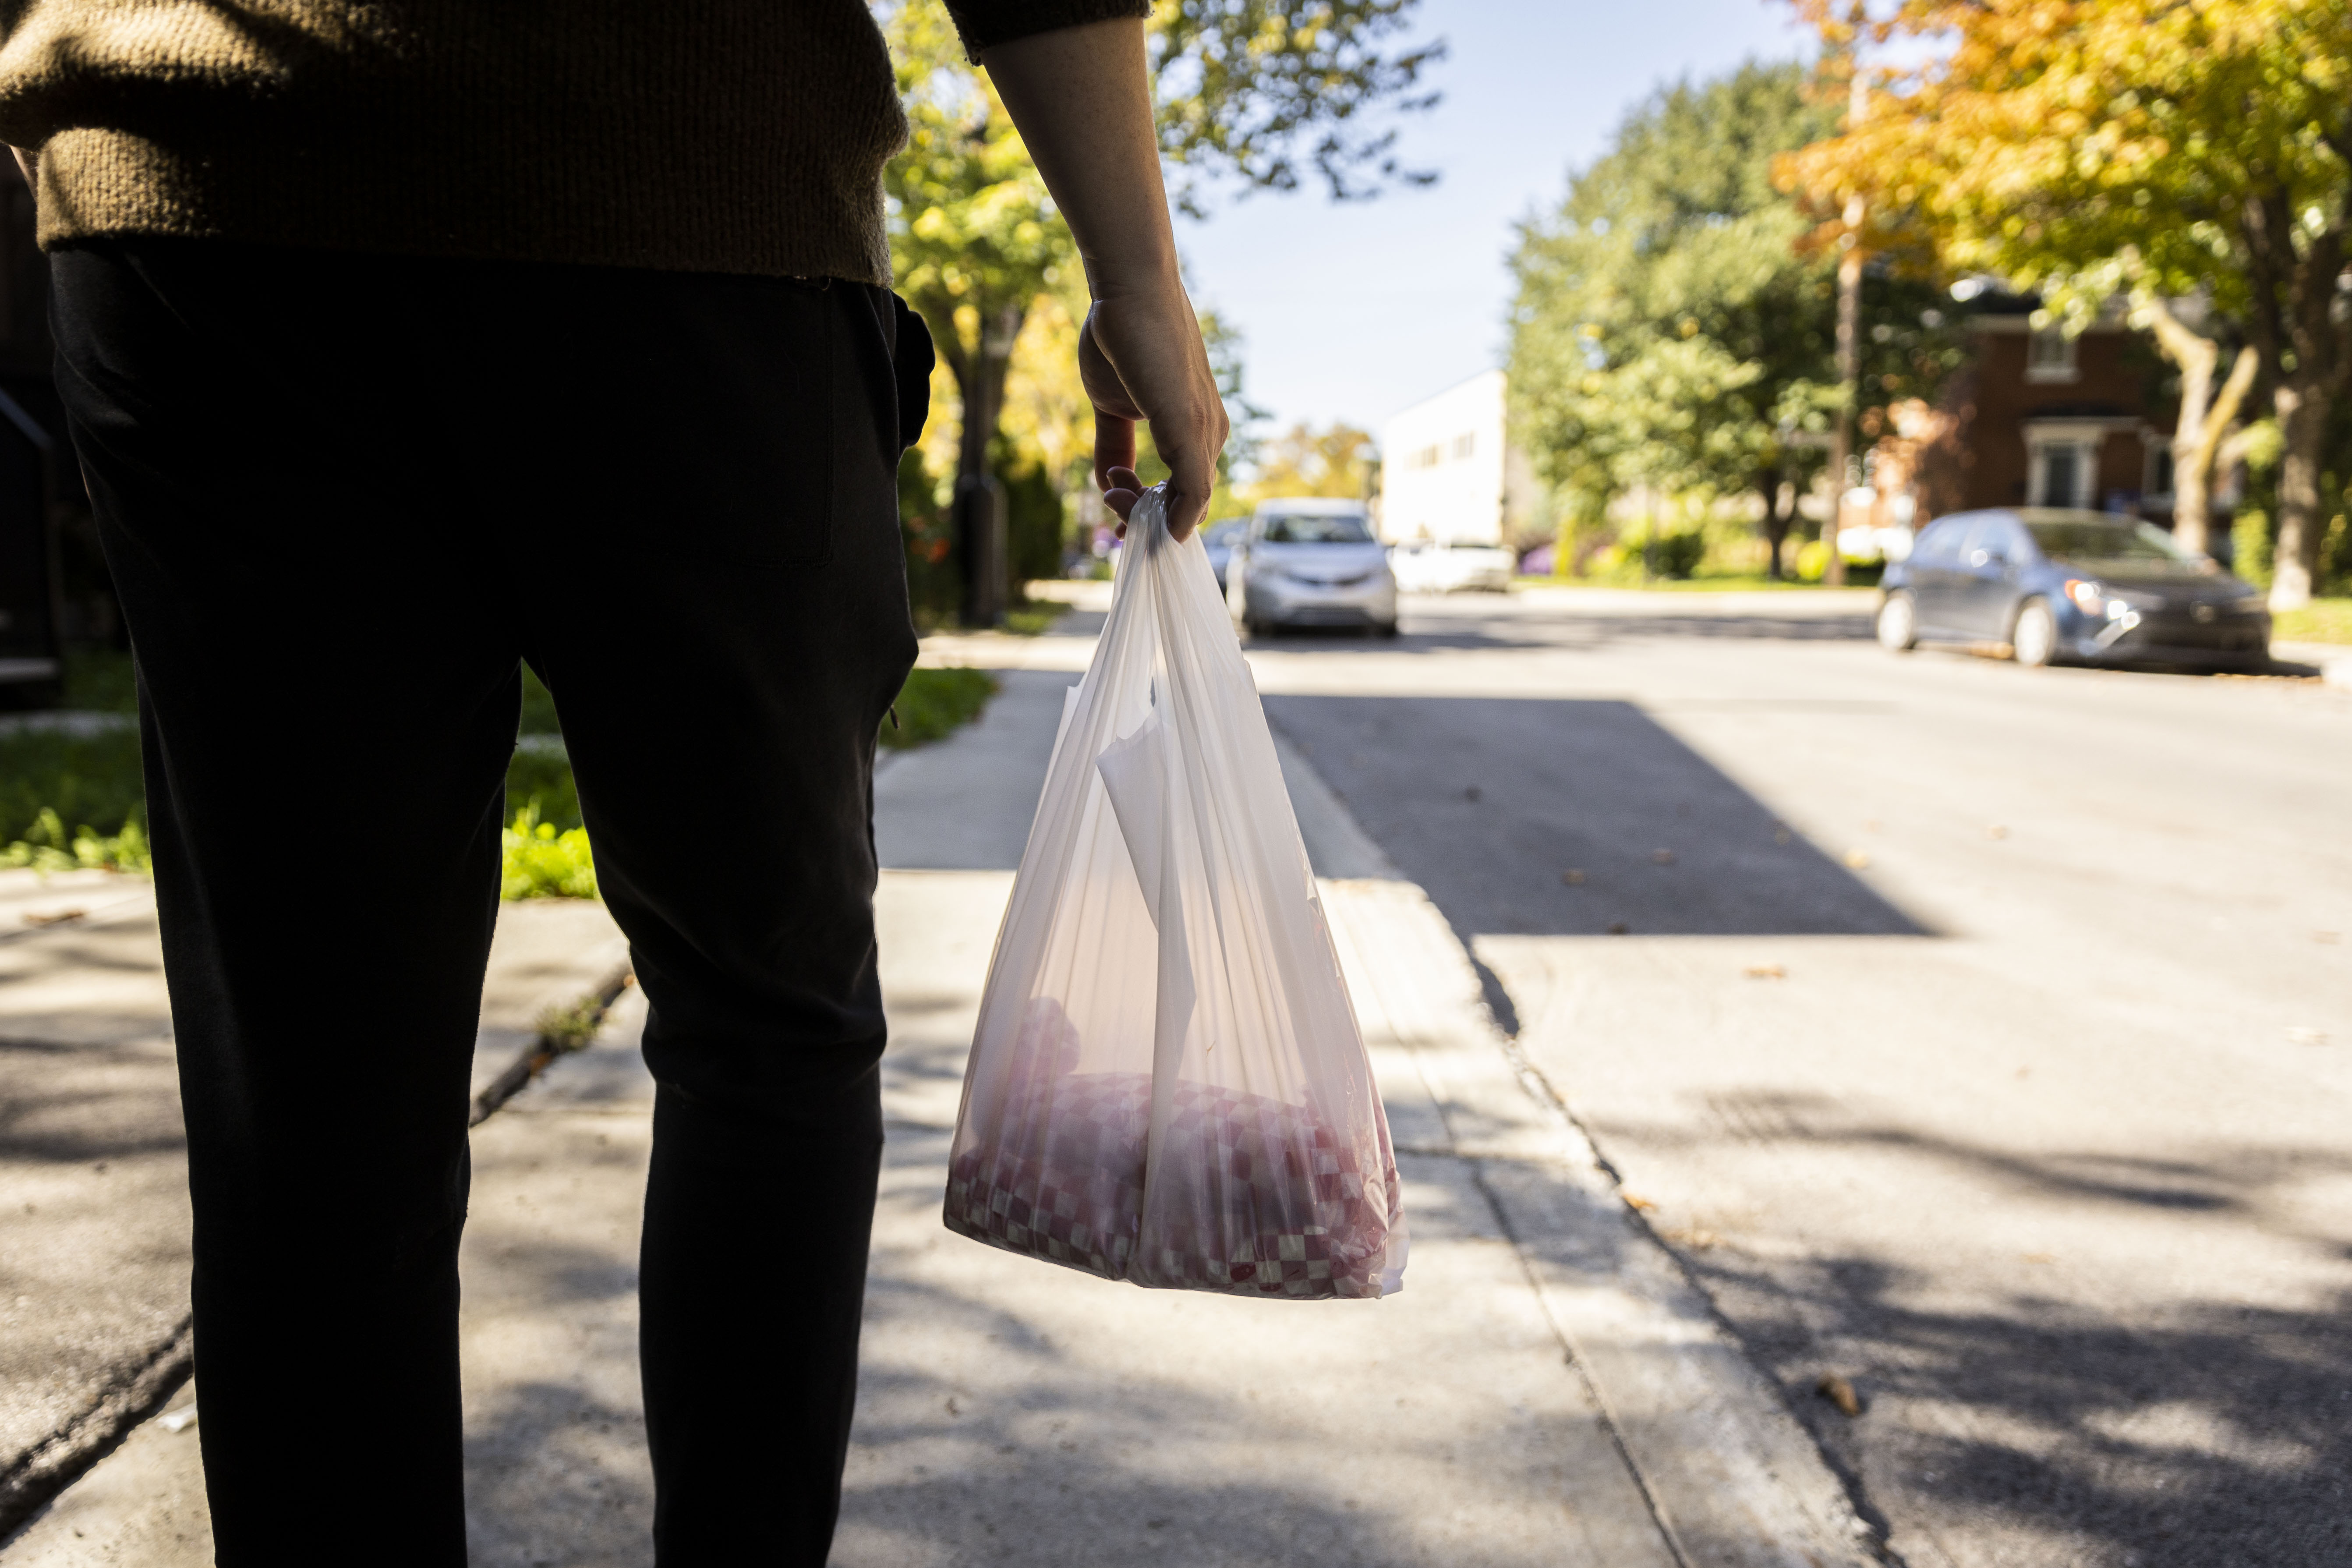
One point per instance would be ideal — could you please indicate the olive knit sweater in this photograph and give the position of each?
(692, 135)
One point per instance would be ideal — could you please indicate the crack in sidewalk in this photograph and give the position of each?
(39, 1475)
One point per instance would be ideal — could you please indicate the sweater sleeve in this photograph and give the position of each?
(985, 22)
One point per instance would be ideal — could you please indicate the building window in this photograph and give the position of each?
(2158, 487)
(2062, 473)
(1465, 443)
(2050, 356)
(1425, 458)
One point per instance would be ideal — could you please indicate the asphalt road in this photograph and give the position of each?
(1981, 1037)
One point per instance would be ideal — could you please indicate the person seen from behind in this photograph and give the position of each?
(405, 342)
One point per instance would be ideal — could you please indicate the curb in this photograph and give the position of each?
(2333, 662)
(1732, 1478)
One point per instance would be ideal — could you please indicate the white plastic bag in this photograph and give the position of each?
(1168, 1085)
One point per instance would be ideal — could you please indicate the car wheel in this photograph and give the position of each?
(1898, 623)
(2033, 638)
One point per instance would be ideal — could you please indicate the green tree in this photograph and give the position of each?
(2160, 150)
(1250, 93)
(1303, 461)
(1671, 330)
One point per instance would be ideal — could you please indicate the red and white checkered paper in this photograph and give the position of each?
(1253, 1196)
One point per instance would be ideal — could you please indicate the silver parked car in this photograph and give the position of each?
(1219, 539)
(1311, 562)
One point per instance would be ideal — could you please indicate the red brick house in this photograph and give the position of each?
(2035, 418)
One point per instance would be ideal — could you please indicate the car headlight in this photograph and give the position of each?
(2089, 596)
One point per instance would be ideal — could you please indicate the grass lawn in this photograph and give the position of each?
(2321, 620)
(934, 703)
(72, 800)
(1032, 620)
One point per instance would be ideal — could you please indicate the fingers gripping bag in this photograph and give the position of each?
(1166, 1084)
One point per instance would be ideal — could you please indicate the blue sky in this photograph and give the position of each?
(1352, 312)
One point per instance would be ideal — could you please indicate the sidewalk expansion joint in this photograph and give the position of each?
(29, 1484)
(562, 1029)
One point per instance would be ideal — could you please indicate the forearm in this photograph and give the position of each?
(1082, 98)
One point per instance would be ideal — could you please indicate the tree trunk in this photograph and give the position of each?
(2302, 408)
(2204, 419)
(980, 370)
(1849, 369)
(2293, 319)
(1776, 526)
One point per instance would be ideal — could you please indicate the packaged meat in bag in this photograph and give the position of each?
(1168, 1085)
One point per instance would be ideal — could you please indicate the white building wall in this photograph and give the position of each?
(1442, 465)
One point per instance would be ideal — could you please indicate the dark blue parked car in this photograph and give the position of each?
(2058, 585)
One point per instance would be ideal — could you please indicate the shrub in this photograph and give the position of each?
(47, 846)
(543, 780)
(541, 863)
(1035, 521)
(2250, 547)
(72, 799)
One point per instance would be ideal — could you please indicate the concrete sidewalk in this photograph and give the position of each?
(1547, 1389)
(93, 1279)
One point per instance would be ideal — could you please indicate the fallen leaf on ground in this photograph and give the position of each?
(1635, 1201)
(1698, 1238)
(1618, 928)
(2040, 1257)
(1572, 878)
(1662, 857)
(1783, 837)
(1857, 860)
(1996, 831)
(1840, 1393)
(2307, 1036)
(2326, 936)
(58, 919)
(1470, 794)
(1766, 971)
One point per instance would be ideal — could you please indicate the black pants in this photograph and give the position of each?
(342, 496)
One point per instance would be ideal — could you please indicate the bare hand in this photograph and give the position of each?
(1082, 98)
(1141, 358)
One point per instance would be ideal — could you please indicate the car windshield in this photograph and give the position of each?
(1222, 534)
(2080, 539)
(1308, 528)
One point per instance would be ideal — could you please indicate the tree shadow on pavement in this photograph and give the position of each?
(68, 1102)
(2098, 1426)
(1541, 817)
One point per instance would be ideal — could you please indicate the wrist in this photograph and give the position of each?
(1142, 276)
